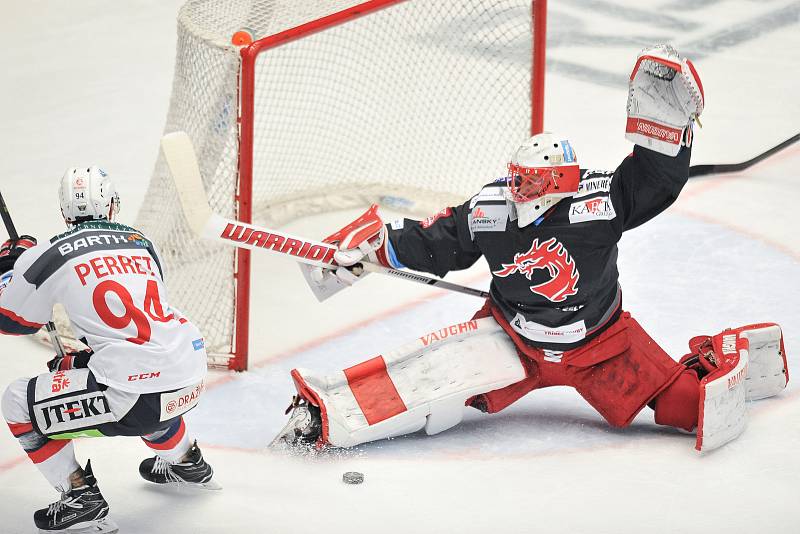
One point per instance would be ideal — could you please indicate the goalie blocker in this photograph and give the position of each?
(482, 363)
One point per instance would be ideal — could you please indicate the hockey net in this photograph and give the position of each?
(411, 104)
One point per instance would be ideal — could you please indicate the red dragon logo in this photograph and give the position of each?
(550, 255)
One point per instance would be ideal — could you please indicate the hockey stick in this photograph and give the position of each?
(718, 168)
(182, 162)
(12, 233)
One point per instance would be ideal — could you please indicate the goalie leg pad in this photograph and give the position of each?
(421, 385)
(767, 371)
(750, 364)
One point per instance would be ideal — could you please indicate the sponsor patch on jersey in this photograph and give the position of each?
(61, 383)
(569, 333)
(489, 218)
(428, 222)
(198, 344)
(5, 278)
(592, 209)
(67, 401)
(595, 184)
(73, 413)
(397, 224)
(489, 194)
(181, 401)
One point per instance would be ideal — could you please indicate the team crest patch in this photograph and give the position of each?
(553, 257)
(592, 209)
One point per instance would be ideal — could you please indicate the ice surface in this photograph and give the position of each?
(89, 81)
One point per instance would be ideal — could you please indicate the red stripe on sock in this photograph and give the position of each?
(20, 428)
(171, 442)
(48, 451)
(374, 390)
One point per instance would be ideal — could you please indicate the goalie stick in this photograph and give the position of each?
(182, 162)
(718, 168)
(12, 233)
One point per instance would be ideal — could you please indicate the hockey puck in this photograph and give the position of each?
(353, 477)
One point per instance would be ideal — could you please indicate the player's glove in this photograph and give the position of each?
(13, 249)
(364, 239)
(71, 360)
(665, 97)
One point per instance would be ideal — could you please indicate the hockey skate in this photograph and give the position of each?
(303, 428)
(192, 471)
(81, 510)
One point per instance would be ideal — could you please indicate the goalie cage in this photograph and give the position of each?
(411, 104)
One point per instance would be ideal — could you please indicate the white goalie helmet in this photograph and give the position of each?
(542, 171)
(87, 194)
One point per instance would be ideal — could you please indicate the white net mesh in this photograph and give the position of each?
(414, 106)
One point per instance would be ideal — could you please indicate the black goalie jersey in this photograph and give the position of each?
(555, 280)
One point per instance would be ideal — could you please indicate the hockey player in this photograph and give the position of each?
(549, 234)
(144, 369)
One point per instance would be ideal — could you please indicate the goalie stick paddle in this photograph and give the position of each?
(182, 162)
(719, 168)
(12, 233)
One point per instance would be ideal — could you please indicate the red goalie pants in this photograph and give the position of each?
(618, 373)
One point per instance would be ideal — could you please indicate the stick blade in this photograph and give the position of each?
(182, 162)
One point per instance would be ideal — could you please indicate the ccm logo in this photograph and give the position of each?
(143, 376)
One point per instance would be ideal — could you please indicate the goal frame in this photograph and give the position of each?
(246, 119)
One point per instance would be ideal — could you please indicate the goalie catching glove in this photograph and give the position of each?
(665, 97)
(364, 239)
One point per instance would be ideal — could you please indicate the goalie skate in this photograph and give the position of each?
(303, 428)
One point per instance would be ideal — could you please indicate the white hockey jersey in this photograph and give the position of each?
(108, 278)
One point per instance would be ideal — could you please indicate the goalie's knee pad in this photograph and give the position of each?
(747, 363)
(422, 385)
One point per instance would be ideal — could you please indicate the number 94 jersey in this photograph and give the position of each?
(109, 279)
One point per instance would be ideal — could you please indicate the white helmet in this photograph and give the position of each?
(542, 171)
(87, 194)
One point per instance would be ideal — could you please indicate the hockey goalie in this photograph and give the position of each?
(549, 233)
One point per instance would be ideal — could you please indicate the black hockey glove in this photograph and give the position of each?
(13, 249)
(71, 360)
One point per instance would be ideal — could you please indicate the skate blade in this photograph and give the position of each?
(211, 485)
(102, 526)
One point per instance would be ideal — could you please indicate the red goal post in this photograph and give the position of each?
(409, 103)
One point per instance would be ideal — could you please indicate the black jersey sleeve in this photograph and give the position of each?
(646, 183)
(437, 245)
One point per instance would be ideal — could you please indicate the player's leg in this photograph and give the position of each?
(82, 505)
(624, 369)
(422, 385)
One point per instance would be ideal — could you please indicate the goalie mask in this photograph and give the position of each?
(541, 172)
(87, 194)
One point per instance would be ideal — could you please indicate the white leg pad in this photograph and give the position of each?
(767, 372)
(751, 364)
(723, 414)
(421, 385)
